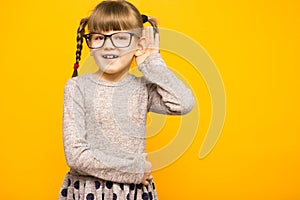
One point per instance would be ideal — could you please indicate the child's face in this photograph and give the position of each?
(113, 60)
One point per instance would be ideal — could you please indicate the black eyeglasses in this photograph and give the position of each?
(119, 39)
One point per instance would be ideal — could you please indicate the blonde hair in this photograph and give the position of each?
(110, 15)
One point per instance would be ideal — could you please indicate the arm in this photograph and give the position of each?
(125, 167)
(167, 94)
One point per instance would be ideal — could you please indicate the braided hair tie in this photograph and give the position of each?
(75, 72)
(76, 66)
(145, 18)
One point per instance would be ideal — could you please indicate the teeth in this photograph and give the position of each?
(110, 56)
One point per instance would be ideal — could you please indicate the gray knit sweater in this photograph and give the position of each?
(104, 122)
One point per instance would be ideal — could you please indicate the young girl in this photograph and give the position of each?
(105, 112)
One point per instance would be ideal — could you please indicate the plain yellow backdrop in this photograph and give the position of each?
(255, 45)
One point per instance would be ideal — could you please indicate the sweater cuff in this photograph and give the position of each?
(152, 60)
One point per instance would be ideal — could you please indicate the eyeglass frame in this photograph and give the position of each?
(86, 37)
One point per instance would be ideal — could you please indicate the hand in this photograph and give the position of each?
(147, 172)
(151, 44)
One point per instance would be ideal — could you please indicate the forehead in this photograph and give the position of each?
(108, 24)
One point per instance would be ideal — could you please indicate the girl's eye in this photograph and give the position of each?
(97, 37)
(121, 38)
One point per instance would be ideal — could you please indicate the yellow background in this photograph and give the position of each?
(255, 45)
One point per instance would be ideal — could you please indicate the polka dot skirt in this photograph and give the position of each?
(88, 188)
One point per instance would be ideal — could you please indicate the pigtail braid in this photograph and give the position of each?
(153, 22)
(79, 39)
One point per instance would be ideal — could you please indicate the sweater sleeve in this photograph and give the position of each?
(122, 167)
(167, 94)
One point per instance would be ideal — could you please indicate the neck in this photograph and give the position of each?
(111, 77)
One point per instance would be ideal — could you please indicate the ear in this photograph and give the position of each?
(141, 47)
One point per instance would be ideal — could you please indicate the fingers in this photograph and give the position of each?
(156, 40)
(152, 37)
(145, 183)
(150, 178)
(147, 179)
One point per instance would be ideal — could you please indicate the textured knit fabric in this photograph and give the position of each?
(104, 130)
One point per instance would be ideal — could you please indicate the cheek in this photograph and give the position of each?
(130, 51)
(92, 52)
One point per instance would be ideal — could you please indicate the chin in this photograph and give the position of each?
(110, 71)
(113, 67)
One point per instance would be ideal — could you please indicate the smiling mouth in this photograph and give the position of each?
(110, 56)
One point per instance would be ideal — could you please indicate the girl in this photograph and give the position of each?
(105, 112)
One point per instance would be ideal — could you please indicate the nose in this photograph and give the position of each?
(108, 43)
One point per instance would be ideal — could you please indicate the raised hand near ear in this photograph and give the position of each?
(150, 44)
